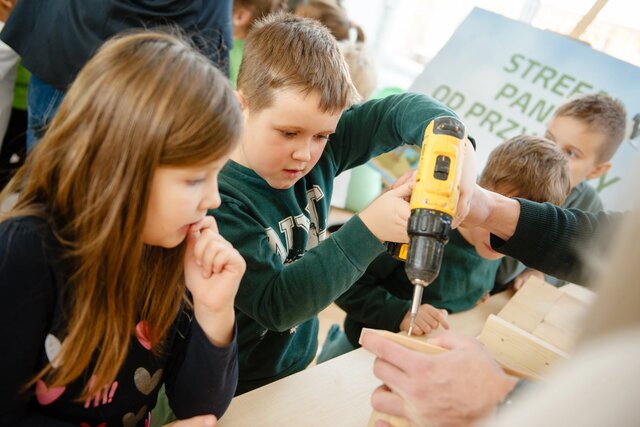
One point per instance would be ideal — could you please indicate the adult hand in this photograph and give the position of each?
(386, 217)
(199, 421)
(213, 270)
(467, 184)
(427, 320)
(454, 388)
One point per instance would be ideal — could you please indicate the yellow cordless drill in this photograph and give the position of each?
(433, 205)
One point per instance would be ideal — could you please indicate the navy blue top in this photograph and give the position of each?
(56, 38)
(200, 378)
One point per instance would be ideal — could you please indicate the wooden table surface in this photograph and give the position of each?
(334, 393)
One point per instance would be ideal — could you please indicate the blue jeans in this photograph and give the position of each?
(43, 101)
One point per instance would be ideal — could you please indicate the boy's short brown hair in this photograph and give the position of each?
(529, 167)
(286, 51)
(601, 113)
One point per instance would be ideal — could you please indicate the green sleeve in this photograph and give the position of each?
(370, 303)
(280, 296)
(380, 125)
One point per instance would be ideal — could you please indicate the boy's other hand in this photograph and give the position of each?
(522, 278)
(408, 177)
(467, 184)
(427, 320)
(386, 217)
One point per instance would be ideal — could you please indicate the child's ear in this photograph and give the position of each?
(241, 99)
(599, 170)
(241, 17)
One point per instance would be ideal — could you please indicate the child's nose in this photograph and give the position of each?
(211, 201)
(303, 152)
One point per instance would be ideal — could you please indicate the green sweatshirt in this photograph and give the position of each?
(293, 270)
(382, 296)
(583, 197)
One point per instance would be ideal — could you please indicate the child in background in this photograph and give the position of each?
(66, 34)
(525, 166)
(293, 87)
(114, 280)
(244, 14)
(8, 67)
(333, 16)
(14, 145)
(589, 129)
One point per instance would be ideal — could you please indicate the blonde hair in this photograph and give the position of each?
(332, 15)
(530, 167)
(285, 51)
(601, 113)
(145, 100)
(362, 67)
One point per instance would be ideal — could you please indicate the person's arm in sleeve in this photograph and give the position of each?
(369, 303)
(205, 375)
(280, 296)
(543, 236)
(374, 127)
(201, 377)
(378, 126)
(26, 305)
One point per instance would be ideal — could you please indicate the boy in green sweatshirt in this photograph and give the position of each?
(528, 167)
(294, 87)
(589, 129)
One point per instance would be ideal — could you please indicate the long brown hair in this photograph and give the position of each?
(146, 99)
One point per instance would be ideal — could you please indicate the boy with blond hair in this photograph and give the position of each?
(589, 129)
(528, 167)
(293, 88)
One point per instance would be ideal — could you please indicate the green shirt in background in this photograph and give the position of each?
(20, 88)
(235, 58)
(382, 296)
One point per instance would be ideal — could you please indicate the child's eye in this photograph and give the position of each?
(322, 137)
(571, 154)
(193, 182)
(287, 134)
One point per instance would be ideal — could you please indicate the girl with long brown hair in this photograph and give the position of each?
(113, 281)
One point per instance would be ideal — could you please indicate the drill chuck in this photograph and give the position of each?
(429, 232)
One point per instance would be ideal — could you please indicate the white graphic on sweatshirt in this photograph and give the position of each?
(308, 224)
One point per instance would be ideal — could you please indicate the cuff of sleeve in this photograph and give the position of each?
(526, 227)
(201, 337)
(394, 312)
(358, 243)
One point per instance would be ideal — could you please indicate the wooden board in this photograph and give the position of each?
(532, 334)
(552, 314)
(335, 393)
(518, 349)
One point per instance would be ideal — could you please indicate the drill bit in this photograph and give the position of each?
(415, 305)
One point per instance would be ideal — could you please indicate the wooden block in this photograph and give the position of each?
(530, 304)
(518, 349)
(407, 341)
(562, 324)
(586, 295)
